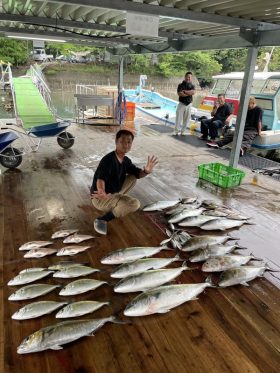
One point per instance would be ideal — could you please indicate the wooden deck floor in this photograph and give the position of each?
(225, 330)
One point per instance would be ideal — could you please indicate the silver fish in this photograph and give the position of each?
(212, 251)
(32, 269)
(32, 291)
(79, 309)
(131, 254)
(63, 265)
(39, 253)
(72, 250)
(202, 242)
(179, 208)
(54, 336)
(142, 265)
(222, 224)
(34, 245)
(189, 200)
(64, 233)
(196, 221)
(77, 238)
(148, 280)
(241, 275)
(81, 286)
(160, 205)
(28, 277)
(177, 239)
(225, 262)
(185, 214)
(37, 309)
(164, 298)
(75, 272)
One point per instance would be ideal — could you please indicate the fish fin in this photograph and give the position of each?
(166, 248)
(232, 238)
(167, 231)
(255, 258)
(165, 241)
(209, 280)
(244, 283)
(56, 347)
(172, 226)
(163, 311)
(194, 298)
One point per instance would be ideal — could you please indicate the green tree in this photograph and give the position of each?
(231, 59)
(14, 51)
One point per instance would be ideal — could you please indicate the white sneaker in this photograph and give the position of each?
(175, 133)
(184, 133)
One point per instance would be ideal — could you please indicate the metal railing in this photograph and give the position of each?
(84, 89)
(39, 80)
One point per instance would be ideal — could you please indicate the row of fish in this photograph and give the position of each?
(206, 215)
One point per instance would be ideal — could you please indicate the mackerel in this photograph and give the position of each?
(142, 265)
(28, 277)
(161, 205)
(131, 254)
(80, 286)
(79, 309)
(148, 280)
(75, 272)
(225, 262)
(34, 245)
(32, 291)
(54, 336)
(202, 242)
(212, 251)
(164, 298)
(37, 309)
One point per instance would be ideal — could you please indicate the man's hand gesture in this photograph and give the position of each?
(151, 163)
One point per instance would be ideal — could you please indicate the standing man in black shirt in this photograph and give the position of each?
(221, 116)
(185, 92)
(114, 177)
(253, 128)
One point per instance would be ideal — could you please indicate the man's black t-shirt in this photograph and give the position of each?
(113, 172)
(185, 86)
(222, 112)
(254, 116)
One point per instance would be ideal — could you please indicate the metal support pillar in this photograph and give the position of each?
(243, 106)
(120, 78)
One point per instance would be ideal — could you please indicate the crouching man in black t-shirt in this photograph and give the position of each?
(114, 177)
(253, 128)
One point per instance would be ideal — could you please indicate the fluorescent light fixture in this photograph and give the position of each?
(35, 37)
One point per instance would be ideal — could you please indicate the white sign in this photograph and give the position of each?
(38, 44)
(142, 24)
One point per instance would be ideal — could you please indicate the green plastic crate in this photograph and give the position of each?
(221, 175)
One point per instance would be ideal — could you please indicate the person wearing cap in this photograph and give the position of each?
(114, 177)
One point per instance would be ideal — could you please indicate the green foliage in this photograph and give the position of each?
(14, 51)
(231, 59)
(65, 48)
(202, 64)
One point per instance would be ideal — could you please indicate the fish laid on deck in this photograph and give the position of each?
(130, 254)
(241, 275)
(75, 272)
(34, 245)
(202, 242)
(32, 291)
(148, 280)
(79, 309)
(37, 309)
(222, 224)
(142, 265)
(81, 286)
(54, 336)
(77, 238)
(225, 262)
(72, 250)
(196, 221)
(213, 251)
(39, 253)
(28, 277)
(32, 269)
(185, 214)
(161, 205)
(64, 233)
(164, 298)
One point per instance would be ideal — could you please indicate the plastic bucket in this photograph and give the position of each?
(130, 111)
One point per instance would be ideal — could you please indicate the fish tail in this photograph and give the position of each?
(209, 281)
(115, 320)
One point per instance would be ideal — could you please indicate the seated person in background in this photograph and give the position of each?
(253, 127)
(221, 116)
(115, 176)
